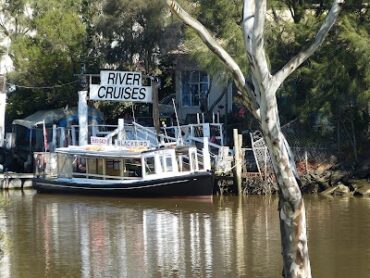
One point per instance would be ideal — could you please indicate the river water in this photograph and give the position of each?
(77, 236)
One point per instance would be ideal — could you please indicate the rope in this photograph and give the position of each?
(42, 87)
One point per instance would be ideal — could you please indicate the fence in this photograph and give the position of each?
(304, 148)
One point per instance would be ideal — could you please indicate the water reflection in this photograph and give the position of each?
(53, 235)
(77, 236)
(338, 236)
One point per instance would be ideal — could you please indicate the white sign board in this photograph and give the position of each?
(133, 143)
(98, 141)
(120, 86)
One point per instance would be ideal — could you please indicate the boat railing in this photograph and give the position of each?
(145, 133)
(102, 177)
(93, 130)
(151, 135)
(187, 133)
(190, 134)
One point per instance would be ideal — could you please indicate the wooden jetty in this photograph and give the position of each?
(11, 180)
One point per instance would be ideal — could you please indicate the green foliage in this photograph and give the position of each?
(333, 85)
(332, 88)
(126, 36)
(46, 53)
(223, 18)
(52, 38)
(131, 31)
(341, 73)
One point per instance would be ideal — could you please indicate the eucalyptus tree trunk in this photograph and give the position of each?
(259, 96)
(2, 109)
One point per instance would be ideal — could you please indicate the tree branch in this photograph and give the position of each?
(224, 91)
(254, 13)
(4, 29)
(217, 49)
(296, 61)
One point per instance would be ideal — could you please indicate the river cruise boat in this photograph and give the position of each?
(115, 170)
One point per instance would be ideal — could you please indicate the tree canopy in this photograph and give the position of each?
(46, 42)
(51, 39)
(332, 83)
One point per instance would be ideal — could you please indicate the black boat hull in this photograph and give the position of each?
(193, 185)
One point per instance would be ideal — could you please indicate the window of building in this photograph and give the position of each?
(194, 87)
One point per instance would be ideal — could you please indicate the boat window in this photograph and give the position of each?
(113, 164)
(169, 166)
(183, 163)
(113, 167)
(95, 167)
(149, 165)
(166, 162)
(64, 166)
(79, 164)
(132, 167)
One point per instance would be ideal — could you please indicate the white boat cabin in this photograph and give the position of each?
(117, 163)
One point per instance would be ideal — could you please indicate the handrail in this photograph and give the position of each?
(151, 132)
(201, 141)
(104, 177)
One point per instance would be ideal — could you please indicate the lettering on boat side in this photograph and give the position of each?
(120, 86)
(133, 143)
(98, 140)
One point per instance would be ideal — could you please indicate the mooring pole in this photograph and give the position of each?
(238, 160)
(82, 118)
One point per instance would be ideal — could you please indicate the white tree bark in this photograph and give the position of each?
(2, 109)
(239, 79)
(261, 100)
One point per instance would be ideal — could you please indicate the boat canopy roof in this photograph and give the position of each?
(111, 151)
(100, 151)
(61, 116)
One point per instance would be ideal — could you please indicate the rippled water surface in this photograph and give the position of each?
(78, 236)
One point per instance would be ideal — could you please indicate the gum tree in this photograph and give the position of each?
(258, 92)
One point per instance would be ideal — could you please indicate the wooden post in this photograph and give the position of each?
(206, 156)
(206, 130)
(82, 118)
(94, 128)
(73, 131)
(155, 106)
(104, 169)
(62, 137)
(54, 138)
(240, 166)
(121, 130)
(237, 160)
(306, 161)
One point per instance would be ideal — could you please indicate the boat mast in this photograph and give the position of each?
(178, 123)
(155, 85)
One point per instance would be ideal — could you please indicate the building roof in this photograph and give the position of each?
(60, 116)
